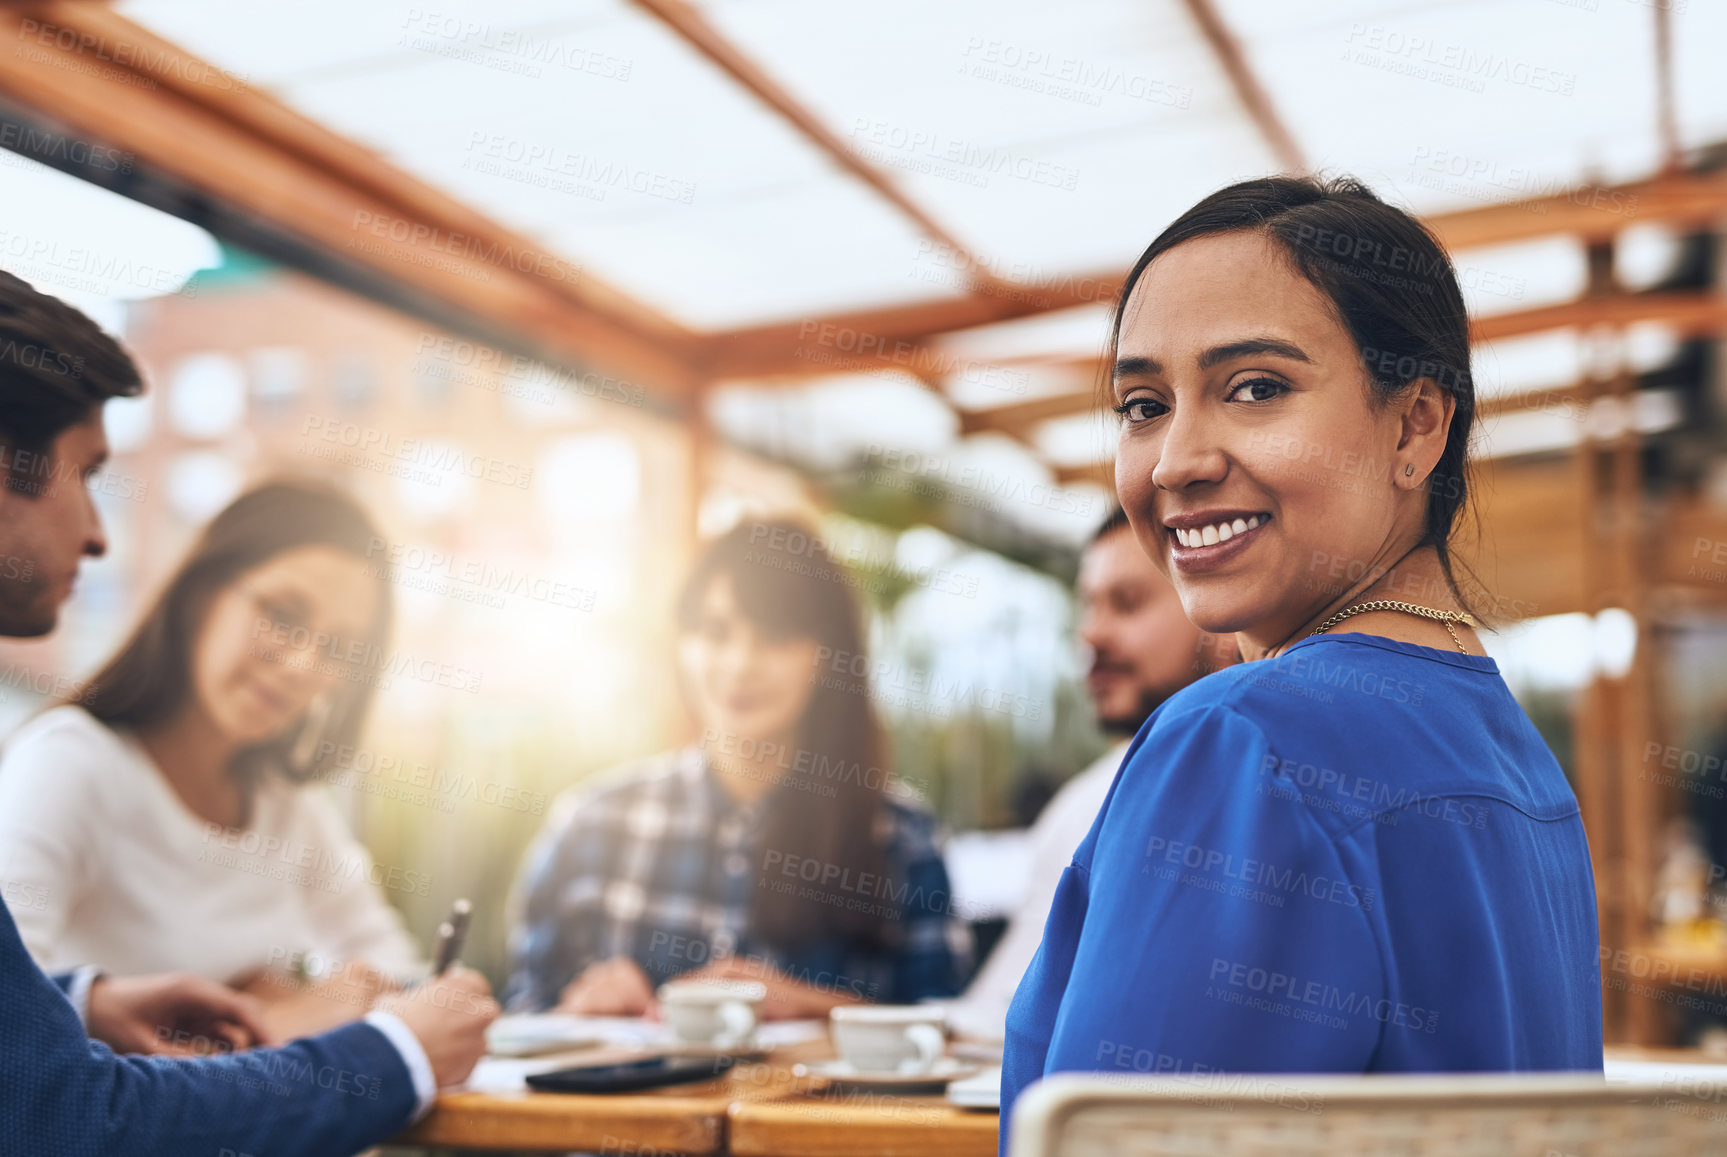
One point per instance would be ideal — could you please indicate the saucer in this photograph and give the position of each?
(982, 1091)
(845, 1073)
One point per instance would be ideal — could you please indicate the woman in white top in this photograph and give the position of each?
(165, 822)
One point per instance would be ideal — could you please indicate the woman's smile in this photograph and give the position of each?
(1208, 539)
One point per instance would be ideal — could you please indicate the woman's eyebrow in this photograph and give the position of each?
(1218, 354)
(290, 596)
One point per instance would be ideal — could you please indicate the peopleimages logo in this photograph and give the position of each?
(968, 485)
(915, 687)
(435, 457)
(415, 781)
(1318, 996)
(142, 58)
(303, 863)
(1269, 879)
(1360, 797)
(417, 234)
(474, 580)
(46, 145)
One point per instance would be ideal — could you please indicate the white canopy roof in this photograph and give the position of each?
(1049, 139)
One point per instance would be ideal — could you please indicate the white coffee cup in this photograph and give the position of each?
(886, 1038)
(712, 1012)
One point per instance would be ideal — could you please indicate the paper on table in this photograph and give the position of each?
(612, 1030)
(631, 1030)
(508, 1074)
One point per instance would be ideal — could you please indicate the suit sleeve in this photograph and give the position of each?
(325, 1096)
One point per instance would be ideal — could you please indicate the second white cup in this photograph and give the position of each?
(712, 1012)
(907, 1039)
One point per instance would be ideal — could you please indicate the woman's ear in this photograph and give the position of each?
(1427, 411)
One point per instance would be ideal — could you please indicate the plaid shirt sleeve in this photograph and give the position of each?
(620, 868)
(620, 865)
(935, 960)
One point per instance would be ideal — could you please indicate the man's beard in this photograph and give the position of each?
(1150, 699)
(26, 612)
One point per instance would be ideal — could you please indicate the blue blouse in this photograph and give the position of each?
(1356, 857)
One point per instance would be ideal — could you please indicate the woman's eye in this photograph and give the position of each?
(1259, 390)
(279, 614)
(1141, 410)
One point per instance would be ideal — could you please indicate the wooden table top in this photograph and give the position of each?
(679, 1118)
(684, 1119)
(860, 1124)
(762, 1109)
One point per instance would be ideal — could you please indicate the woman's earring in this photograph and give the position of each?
(303, 754)
(1409, 469)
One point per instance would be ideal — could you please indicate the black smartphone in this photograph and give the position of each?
(652, 1073)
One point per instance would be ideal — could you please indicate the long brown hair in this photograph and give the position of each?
(787, 585)
(149, 680)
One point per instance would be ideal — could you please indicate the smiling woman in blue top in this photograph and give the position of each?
(1353, 854)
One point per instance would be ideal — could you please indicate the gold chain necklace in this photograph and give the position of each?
(1446, 617)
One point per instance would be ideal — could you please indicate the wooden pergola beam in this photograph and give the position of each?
(1100, 473)
(1233, 60)
(879, 337)
(1018, 418)
(1691, 314)
(791, 348)
(109, 81)
(1590, 212)
(689, 24)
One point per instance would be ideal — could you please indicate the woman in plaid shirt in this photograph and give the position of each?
(778, 848)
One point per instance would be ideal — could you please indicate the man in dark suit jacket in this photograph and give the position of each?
(61, 1092)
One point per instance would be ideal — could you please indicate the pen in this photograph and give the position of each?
(451, 933)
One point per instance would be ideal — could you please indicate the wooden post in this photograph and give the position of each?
(1594, 722)
(1644, 806)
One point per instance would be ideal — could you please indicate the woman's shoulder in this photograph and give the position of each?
(1389, 721)
(907, 808)
(69, 739)
(622, 785)
(1334, 680)
(65, 762)
(1221, 699)
(911, 828)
